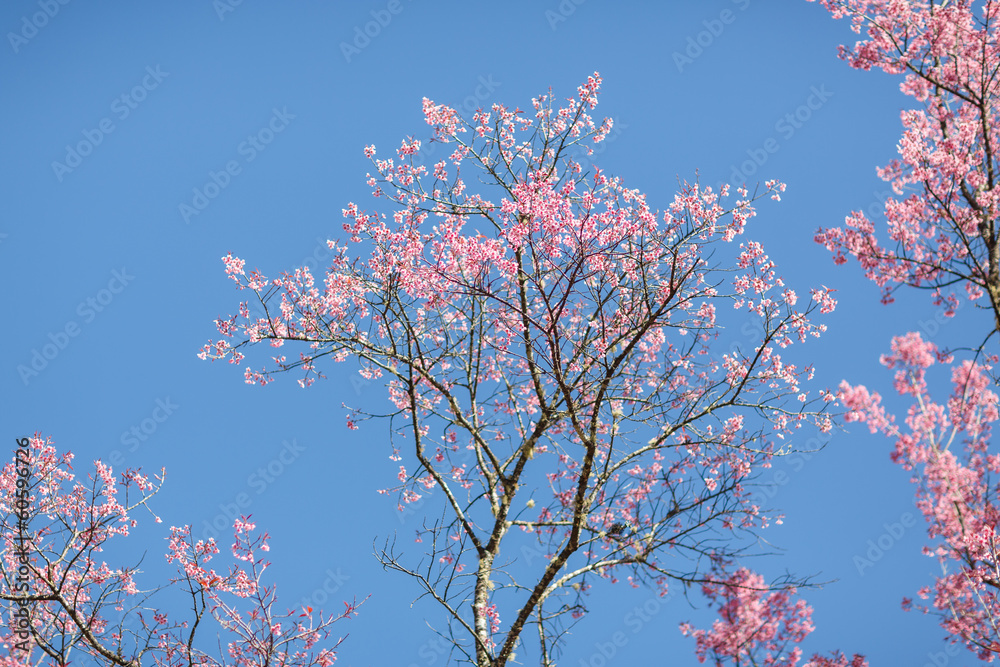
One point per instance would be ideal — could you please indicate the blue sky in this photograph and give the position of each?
(120, 117)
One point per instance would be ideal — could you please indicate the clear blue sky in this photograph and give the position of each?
(160, 97)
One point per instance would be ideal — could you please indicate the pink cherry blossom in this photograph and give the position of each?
(940, 228)
(758, 624)
(947, 447)
(52, 569)
(940, 234)
(545, 334)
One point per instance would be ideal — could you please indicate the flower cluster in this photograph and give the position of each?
(758, 624)
(941, 224)
(71, 593)
(947, 446)
(554, 327)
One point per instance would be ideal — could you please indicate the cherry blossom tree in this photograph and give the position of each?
(943, 237)
(942, 226)
(553, 351)
(948, 444)
(66, 604)
(757, 625)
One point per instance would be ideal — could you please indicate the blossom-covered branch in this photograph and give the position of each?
(550, 346)
(947, 445)
(758, 624)
(66, 602)
(942, 224)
